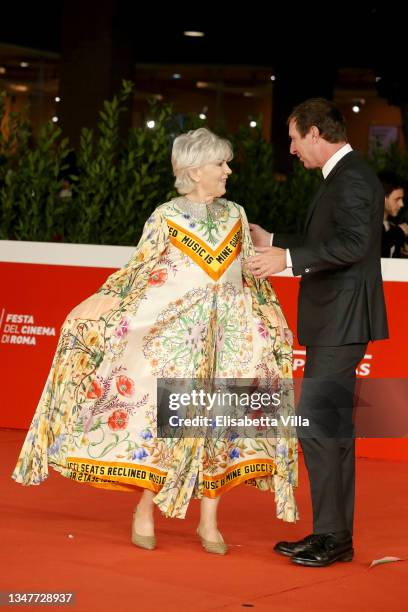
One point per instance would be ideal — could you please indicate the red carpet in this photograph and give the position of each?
(108, 573)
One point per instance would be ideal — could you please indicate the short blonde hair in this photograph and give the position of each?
(194, 149)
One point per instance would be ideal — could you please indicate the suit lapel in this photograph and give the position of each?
(323, 185)
(313, 203)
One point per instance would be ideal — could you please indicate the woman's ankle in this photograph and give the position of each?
(145, 504)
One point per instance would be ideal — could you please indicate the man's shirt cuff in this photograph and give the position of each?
(288, 257)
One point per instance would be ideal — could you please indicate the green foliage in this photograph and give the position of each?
(30, 180)
(111, 191)
(114, 184)
(392, 159)
(118, 184)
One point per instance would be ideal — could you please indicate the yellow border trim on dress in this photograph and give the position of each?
(153, 479)
(207, 258)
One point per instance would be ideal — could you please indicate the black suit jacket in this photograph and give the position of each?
(392, 237)
(341, 299)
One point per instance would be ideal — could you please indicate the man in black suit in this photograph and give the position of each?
(341, 307)
(393, 236)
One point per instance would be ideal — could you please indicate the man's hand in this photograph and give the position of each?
(267, 261)
(260, 237)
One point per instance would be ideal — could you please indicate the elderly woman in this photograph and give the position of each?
(183, 307)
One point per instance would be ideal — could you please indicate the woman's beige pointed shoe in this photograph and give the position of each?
(147, 542)
(217, 548)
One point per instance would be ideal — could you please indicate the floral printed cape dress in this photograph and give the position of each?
(183, 307)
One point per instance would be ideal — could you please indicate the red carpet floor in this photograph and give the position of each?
(63, 536)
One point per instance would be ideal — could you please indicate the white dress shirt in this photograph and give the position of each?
(327, 168)
(329, 165)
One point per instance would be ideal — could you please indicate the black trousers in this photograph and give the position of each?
(328, 442)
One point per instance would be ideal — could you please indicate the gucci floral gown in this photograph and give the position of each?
(183, 307)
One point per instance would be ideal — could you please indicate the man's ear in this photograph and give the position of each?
(315, 133)
(195, 174)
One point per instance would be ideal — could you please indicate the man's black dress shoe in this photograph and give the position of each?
(291, 548)
(324, 550)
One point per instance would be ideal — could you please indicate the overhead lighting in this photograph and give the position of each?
(203, 114)
(357, 104)
(20, 88)
(273, 77)
(377, 79)
(150, 124)
(202, 84)
(194, 33)
(24, 64)
(176, 75)
(253, 124)
(57, 99)
(55, 119)
(2, 70)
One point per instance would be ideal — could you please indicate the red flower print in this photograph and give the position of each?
(158, 277)
(263, 332)
(118, 419)
(123, 328)
(125, 385)
(95, 390)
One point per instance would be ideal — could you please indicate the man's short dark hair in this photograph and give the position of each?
(390, 181)
(324, 115)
